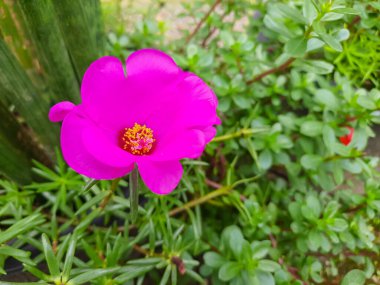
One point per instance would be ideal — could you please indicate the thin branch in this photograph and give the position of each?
(208, 36)
(203, 20)
(141, 250)
(213, 184)
(282, 67)
(213, 30)
(212, 195)
(238, 134)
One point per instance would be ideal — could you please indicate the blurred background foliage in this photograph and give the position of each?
(276, 199)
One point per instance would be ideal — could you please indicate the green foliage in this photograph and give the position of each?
(42, 62)
(292, 205)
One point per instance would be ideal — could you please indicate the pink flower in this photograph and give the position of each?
(151, 113)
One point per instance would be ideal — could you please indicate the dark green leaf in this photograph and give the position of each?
(50, 257)
(20, 226)
(69, 257)
(92, 274)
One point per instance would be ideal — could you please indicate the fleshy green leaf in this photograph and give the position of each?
(296, 47)
(91, 275)
(50, 257)
(311, 128)
(354, 277)
(229, 270)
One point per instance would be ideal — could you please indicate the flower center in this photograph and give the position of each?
(138, 140)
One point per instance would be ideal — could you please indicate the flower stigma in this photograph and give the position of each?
(138, 140)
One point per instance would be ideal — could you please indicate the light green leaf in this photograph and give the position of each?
(265, 159)
(311, 161)
(342, 35)
(314, 205)
(229, 270)
(291, 13)
(331, 41)
(214, 259)
(375, 5)
(349, 11)
(92, 202)
(265, 278)
(92, 274)
(314, 66)
(268, 265)
(277, 27)
(314, 43)
(314, 240)
(329, 138)
(296, 47)
(259, 249)
(338, 225)
(354, 277)
(326, 98)
(309, 11)
(311, 128)
(366, 102)
(331, 209)
(331, 16)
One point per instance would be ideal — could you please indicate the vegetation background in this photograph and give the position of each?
(277, 198)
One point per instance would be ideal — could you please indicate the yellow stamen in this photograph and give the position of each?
(138, 140)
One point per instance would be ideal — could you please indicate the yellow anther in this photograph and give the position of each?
(138, 140)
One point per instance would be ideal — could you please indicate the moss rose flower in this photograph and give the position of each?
(151, 114)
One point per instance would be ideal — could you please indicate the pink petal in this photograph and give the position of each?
(150, 60)
(60, 110)
(209, 133)
(201, 102)
(189, 104)
(116, 102)
(160, 177)
(101, 74)
(178, 145)
(105, 93)
(77, 155)
(104, 146)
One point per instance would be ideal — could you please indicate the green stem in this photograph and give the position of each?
(203, 199)
(134, 193)
(239, 133)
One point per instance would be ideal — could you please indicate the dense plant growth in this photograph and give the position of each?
(285, 194)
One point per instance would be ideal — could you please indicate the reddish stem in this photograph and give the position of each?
(282, 67)
(203, 20)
